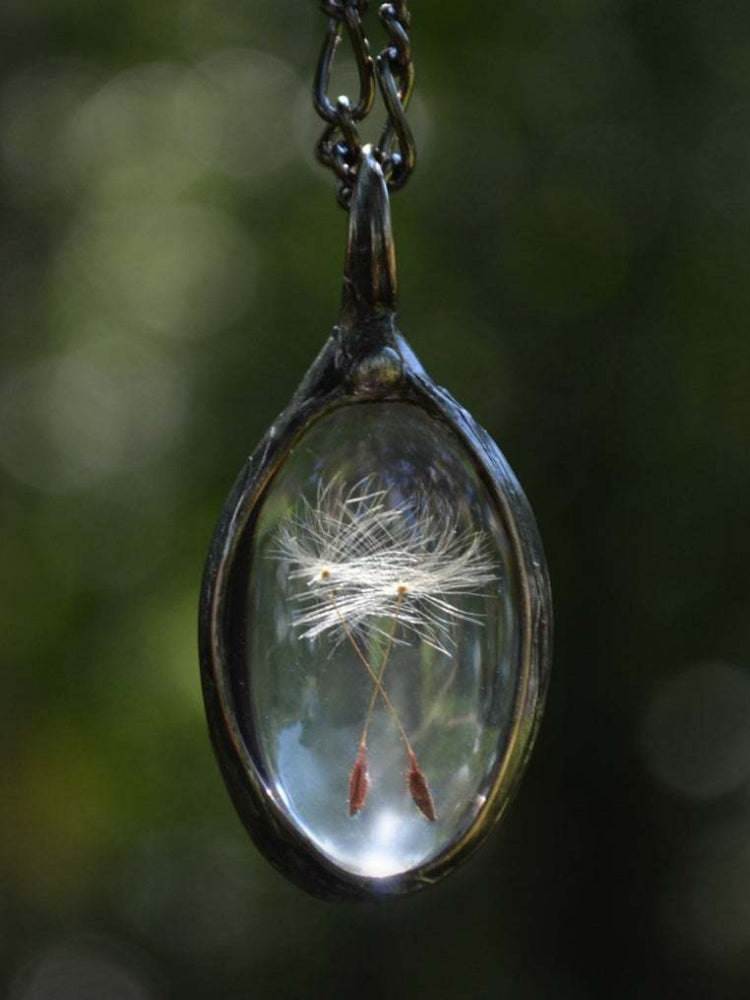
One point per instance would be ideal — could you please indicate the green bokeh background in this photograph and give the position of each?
(573, 256)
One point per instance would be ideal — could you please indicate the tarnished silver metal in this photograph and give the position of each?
(365, 361)
(340, 145)
(370, 286)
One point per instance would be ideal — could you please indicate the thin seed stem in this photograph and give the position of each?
(377, 681)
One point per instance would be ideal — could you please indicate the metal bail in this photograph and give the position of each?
(370, 287)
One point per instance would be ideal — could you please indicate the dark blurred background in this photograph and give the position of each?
(573, 254)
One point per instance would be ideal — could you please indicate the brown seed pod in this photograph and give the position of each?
(419, 790)
(359, 783)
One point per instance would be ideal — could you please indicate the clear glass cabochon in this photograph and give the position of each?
(375, 637)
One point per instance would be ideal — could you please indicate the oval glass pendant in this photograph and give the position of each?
(376, 618)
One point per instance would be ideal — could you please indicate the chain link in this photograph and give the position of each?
(340, 145)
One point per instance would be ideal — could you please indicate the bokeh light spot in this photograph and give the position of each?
(71, 971)
(125, 139)
(695, 738)
(175, 270)
(235, 112)
(70, 422)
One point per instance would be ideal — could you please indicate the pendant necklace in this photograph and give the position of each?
(375, 616)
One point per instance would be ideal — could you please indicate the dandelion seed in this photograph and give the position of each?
(371, 568)
(380, 560)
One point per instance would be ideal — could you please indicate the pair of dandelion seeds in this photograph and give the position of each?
(371, 569)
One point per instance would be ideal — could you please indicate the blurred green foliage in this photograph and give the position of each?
(573, 262)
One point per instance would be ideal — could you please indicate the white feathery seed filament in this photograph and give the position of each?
(365, 561)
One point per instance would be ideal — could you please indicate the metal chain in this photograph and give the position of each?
(340, 145)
